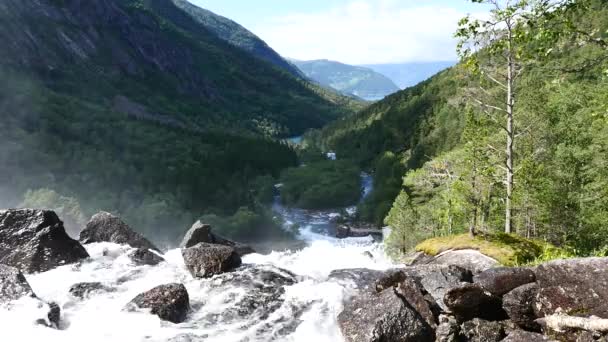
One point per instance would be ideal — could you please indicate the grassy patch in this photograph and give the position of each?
(508, 249)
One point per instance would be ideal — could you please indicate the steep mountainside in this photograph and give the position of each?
(348, 79)
(134, 106)
(409, 74)
(236, 35)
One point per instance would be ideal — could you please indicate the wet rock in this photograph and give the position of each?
(478, 330)
(36, 241)
(519, 305)
(13, 284)
(385, 316)
(86, 290)
(169, 302)
(53, 316)
(390, 278)
(410, 291)
(471, 301)
(448, 330)
(105, 227)
(200, 232)
(206, 260)
(468, 259)
(501, 280)
(526, 336)
(368, 254)
(141, 256)
(574, 286)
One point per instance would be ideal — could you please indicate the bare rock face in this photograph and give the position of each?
(36, 241)
(13, 284)
(142, 256)
(105, 227)
(574, 286)
(205, 260)
(169, 302)
(448, 330)
(438, 279)
(371, 317)
(501, 280)
(471, 301)
(519, 305)
(526, 336)
(468, 259)
(478, 330)
(200, 232)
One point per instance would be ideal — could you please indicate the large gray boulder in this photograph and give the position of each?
(438, 279)
(384, 316)
(501, 280)
(479, 330)
(574, 286)
(169, 302)
(471, 301)
(200, 232)
(205, 260)
(36, 241)
(13, 284)
(519, 305)
(105, 227)
(526, 336)
(469, 259)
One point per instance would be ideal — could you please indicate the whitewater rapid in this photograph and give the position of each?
(256, 303)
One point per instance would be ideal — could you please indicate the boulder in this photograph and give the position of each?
(574, 287)
(478, 330)
(501, 280)
(413, 293)
(36, 241)
(86, 290)
(200, 232)
(13, 284)
(141, 256)
(471, 301)
(169, 302)
(438, 279)
(526, 336)
(519, 306)
(205, 260)
(469, 259)
(105, 227)
(384, 316)
(362, 279)
(448, 330)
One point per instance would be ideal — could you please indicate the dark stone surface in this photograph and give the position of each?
(501, 280)
(105, 227)
(576, 286)
(448, 330)
(142, 256)
(410, 291)
(519, 305)
(86, 290)
(36, 241)
(478, 330)
(385, 316)
(526, 336)
(471, 301)
(206, 260)
(13, 284)
(438, 279)
(169, 302)
(200, 232)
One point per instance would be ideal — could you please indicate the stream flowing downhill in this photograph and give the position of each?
(280, 296)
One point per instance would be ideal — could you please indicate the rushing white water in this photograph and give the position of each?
(240, 306)
(281, 296)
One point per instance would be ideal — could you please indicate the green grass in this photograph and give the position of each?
(507, 249)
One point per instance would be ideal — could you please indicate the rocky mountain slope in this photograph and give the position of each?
(348, 79)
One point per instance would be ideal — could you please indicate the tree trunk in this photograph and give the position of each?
(510, 134)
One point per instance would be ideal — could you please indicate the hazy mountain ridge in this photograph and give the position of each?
(409, 74)
(348, 79)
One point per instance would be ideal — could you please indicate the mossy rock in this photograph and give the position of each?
(507, 249)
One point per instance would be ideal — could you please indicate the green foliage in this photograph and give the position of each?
(249, 225)
(321, 185)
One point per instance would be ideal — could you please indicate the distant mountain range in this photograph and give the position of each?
(348, 79)
(409, 74)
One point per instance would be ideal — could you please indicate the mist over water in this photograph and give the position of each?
(285, 295)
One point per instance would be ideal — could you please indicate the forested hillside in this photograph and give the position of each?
(133, 106)
(439, 147)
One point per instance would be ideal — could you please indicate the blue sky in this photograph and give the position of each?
(351, 31)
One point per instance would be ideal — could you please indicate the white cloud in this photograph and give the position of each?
(366, 31)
